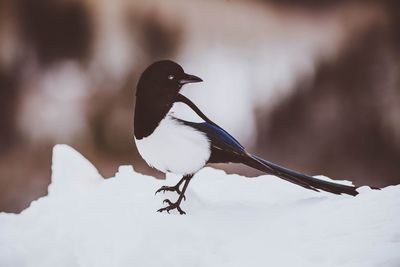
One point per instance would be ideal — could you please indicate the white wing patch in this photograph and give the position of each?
(174, 147)
(184, 112)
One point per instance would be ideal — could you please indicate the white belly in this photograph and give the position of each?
(174, 147)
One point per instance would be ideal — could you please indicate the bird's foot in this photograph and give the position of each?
(172, 206)
(170, 189)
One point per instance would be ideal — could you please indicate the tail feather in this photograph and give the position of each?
(299, 178)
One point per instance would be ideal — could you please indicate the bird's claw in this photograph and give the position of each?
(171, 206)
(168, 188)
(171, 189)
(167, 201)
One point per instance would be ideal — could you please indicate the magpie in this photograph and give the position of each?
(170, 143)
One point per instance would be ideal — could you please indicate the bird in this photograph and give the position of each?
(172, 144)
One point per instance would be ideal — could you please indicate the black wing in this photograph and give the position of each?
(225, 148)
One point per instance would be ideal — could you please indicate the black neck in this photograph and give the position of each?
(149, 111)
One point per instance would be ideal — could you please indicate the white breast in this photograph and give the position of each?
(174, 147)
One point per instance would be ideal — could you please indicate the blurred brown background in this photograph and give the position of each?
(310, 84)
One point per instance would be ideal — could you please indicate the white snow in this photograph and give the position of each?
(231, 221)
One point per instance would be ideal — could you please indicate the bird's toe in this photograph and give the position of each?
(167, 201)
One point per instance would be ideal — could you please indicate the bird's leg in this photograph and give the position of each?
(174, 188)
(176, 205)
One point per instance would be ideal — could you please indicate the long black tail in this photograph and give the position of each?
(299, 178)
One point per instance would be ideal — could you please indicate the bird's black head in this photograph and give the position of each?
(163, 79)
(156, 92)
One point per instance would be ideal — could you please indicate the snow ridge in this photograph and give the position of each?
(87, 220)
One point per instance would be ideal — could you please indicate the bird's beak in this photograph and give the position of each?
(188, 78)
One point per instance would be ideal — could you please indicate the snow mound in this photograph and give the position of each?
(231, 221)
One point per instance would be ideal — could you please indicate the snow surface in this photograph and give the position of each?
(231, 221)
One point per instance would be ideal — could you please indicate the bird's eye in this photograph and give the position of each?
(170, 77)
